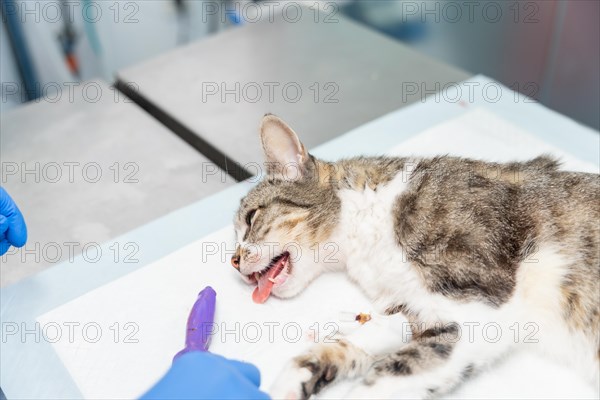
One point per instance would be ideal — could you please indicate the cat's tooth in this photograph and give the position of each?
(272, 280)
(279, 279)
(256, 276)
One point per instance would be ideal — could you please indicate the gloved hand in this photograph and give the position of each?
(12, 225)
(201, 375)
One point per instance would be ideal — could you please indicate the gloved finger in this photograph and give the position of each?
(4, 246)
(17, 230)
(3, 224)
(248, 370)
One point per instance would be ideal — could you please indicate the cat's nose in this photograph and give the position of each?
(235, 261)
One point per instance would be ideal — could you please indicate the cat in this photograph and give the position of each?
(445, 241)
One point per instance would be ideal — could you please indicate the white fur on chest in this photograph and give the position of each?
(374, 259)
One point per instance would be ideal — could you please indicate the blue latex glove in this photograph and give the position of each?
(203, 375)
(12, 224)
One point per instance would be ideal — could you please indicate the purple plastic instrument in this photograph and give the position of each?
(200, 321)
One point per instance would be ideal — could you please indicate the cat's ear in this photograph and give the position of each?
(285, 156)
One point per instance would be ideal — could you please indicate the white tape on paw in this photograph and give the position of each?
(382, 334)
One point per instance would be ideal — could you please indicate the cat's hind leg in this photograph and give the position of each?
(435, 362)
(386, 381)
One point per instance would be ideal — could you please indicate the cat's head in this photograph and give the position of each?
(284, 225)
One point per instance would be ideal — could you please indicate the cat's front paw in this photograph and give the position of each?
(302, 377)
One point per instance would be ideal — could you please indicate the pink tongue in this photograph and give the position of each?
(263, 290)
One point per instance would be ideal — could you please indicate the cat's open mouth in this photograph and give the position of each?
(274, 274)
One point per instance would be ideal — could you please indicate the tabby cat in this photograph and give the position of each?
(445, 241)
